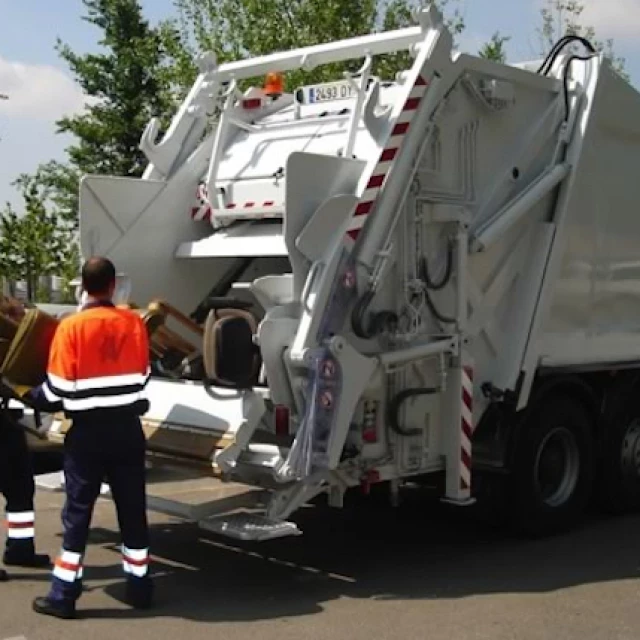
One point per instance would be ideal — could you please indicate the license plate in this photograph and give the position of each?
(328, 92)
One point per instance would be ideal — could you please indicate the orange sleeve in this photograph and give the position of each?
(63, 362)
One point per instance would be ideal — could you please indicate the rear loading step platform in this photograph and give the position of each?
(249, 526)
(190, 449)
(180, 493)
(219, 507)
(176, 492)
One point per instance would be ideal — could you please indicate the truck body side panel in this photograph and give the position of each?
(595, 309)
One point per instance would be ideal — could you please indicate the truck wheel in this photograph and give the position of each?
(553, 467)
(620, 484)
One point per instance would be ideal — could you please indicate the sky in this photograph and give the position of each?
(41, 90)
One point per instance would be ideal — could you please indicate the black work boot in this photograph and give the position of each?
(55, 608)
(139, 593)
(22, 553)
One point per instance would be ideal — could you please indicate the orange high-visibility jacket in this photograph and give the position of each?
(99, 359)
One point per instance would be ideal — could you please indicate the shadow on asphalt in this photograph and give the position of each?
(418, 551)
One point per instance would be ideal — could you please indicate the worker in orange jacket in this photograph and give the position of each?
(97, 372)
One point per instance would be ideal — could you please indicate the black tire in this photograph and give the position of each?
(492, 499)
(553, 467)
(620, 462)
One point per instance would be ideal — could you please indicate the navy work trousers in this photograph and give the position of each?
(17, 487)
(16, 473)
(109, 448)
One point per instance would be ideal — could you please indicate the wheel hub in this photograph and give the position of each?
(630, 454)
(557, 466)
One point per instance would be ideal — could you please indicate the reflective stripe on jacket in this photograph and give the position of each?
(99, 359)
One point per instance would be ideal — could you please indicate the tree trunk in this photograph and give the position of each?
(30, 287)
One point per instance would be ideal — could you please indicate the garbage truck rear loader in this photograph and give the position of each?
(368, 282)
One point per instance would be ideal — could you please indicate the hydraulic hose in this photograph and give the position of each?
(565, 83)
(376, 324)
(551, 56)
(429, 284)
(558, 47)
(436, 312)
(393, 409)
(424, 270)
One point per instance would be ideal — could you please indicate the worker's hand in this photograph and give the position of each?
(19, 390)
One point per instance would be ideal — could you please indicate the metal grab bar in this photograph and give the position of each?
(311, 57)
(364, 73)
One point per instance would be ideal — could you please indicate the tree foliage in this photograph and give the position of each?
(127, 83)
(495, 48)
(34, 244)
(58, 184)
(564, 17)
(124, 83)
(237, 29)
(396, 14)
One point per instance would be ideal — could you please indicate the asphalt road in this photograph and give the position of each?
(415, 573)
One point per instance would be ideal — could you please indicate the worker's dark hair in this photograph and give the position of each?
(98, 275)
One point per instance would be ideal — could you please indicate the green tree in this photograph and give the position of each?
(396, 14)
(59, 185)
(127, 84)
(69, 270)
(495, 48)
(237, 29)
(564, 17)
(34, 244)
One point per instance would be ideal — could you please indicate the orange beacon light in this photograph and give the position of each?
(274, 84)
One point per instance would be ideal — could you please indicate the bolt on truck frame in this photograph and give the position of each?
(435, 276)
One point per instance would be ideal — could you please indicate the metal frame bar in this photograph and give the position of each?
(418, 352)
(364, 73)
(517, 208)
(310, 57)
(221, 131)
(573, 137)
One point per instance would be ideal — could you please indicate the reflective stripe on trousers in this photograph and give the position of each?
(68, 566)
(20, 525)
(135, 562)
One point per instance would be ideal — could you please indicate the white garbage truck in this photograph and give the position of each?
(370, 282)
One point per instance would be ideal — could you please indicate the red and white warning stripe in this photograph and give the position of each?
(387, 158)
(202, 211)
(466, 425)
(267, 204)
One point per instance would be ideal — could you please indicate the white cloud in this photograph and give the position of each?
(39, 92)
(614, 18)
(618, 19)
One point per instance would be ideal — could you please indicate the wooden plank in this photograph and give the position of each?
(164, 439)
(168, 438)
